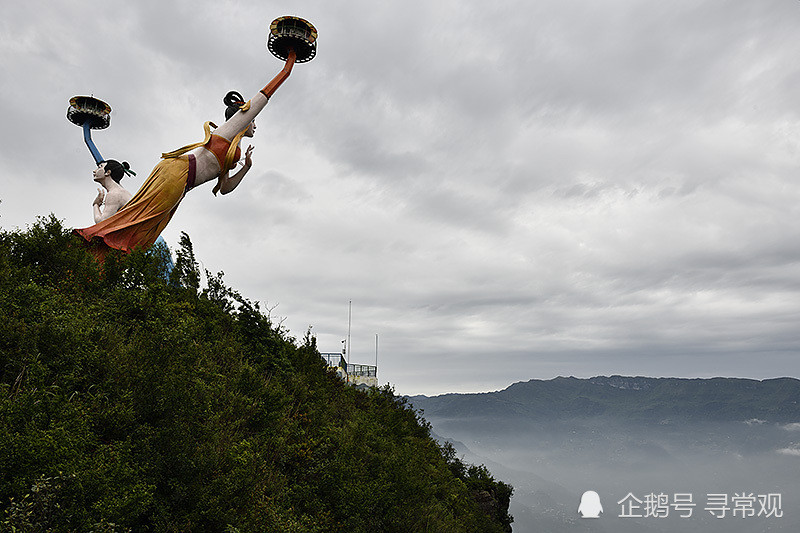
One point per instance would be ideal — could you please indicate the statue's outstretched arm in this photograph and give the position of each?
(242, 119)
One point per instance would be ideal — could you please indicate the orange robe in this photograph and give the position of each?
(139, 223)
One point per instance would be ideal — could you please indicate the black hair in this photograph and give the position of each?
(233, 100)
(116, 168)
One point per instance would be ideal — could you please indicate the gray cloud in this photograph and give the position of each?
(505, 191)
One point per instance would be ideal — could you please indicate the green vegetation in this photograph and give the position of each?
(135, 401)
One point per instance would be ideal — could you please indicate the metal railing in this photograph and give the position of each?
(334, 359)
(366, 371)
(337, 360)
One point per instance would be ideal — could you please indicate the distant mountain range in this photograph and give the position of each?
(617, 435)
(642, 399)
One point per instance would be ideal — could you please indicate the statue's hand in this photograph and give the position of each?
(101, 195)
(248, 157)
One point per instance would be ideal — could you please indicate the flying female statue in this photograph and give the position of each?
(142, 219)
(113, 195)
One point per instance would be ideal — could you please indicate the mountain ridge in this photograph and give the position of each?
(636, 397)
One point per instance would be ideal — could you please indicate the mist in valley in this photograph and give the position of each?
(552, 463)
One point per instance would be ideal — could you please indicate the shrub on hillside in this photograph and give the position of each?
(132, 399)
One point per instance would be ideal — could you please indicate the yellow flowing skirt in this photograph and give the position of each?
(139, 223)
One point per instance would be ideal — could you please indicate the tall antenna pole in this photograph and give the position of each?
(376, 353)
(349, 322)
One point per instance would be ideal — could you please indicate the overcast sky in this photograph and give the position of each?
(505, 190)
